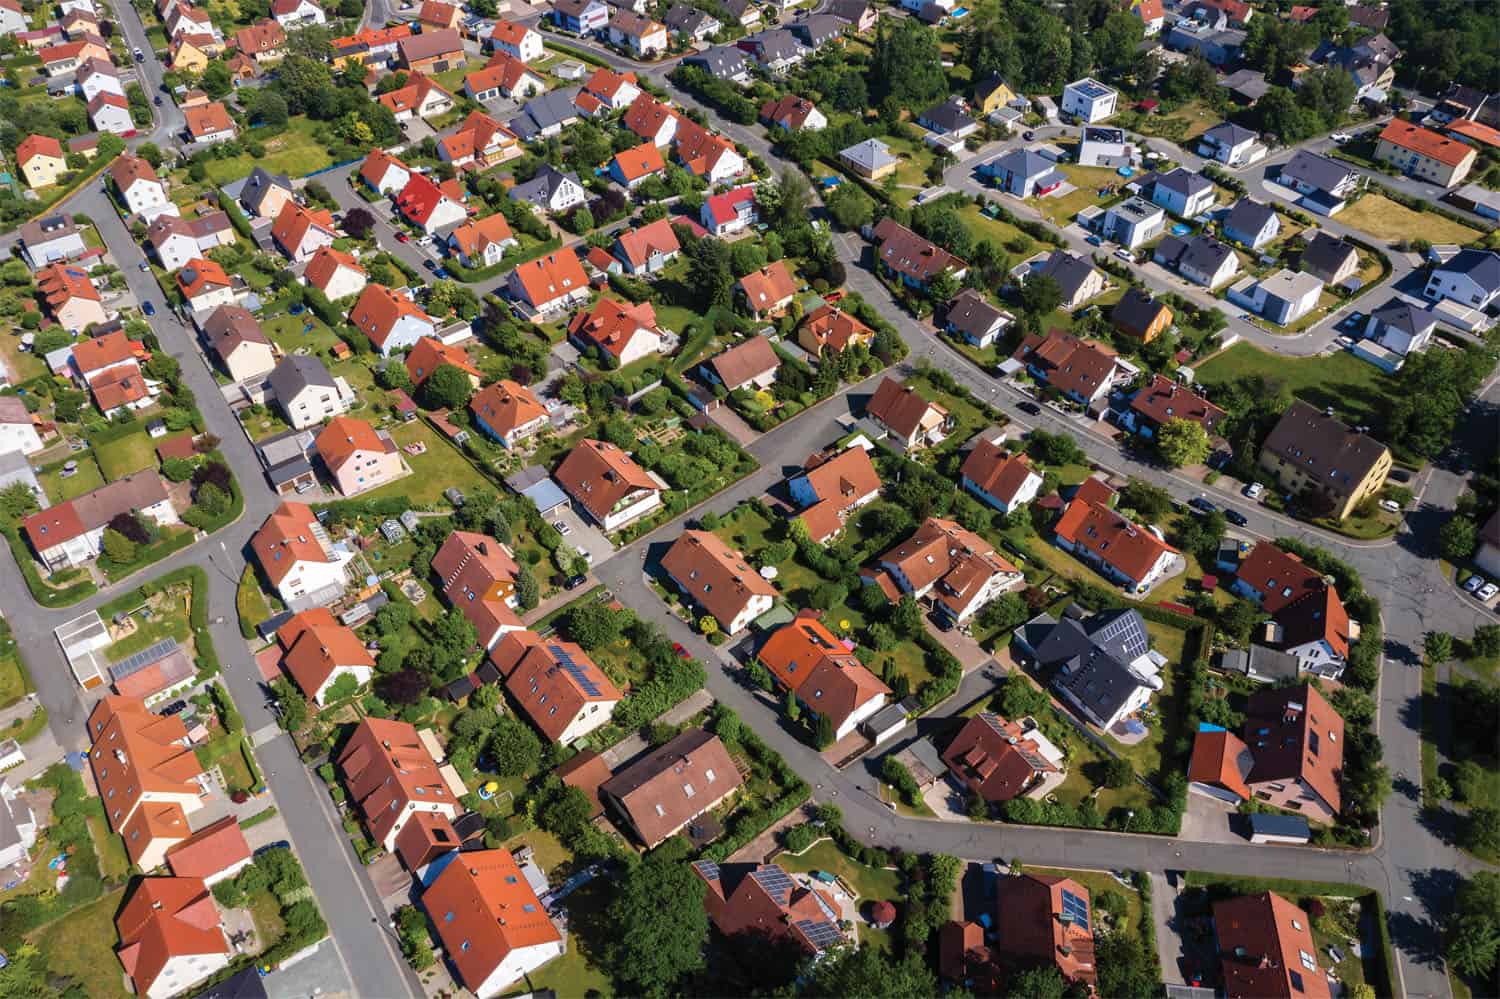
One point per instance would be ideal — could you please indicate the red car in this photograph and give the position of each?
(402, 237)
(681, 652)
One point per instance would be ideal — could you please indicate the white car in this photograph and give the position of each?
(1390, 506)
(1473, 583)
(1125, 255)
(1253, 490)
(563, 528)
(1487, 591)
(1340, 137)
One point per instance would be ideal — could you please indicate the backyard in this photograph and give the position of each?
(436, 469)
(1098, 882)
(1357, 391)
(60, 487)
(81, 946)
(295, 152)
(873, 884)
(1385, 219)
(122, 456)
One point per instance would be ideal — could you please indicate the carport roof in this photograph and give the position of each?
(545, 495)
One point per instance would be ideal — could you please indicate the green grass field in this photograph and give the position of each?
(132, 453)
(12, 682)
(294, 152)
(440, 467)
(1097, 882)
(1385, 219)
(1358, 392)
(86, 479)
(81, 946)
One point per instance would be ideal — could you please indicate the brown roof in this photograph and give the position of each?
(216, 847)
(998, 474)
(1030, 910)
(166, 918)
(908, 254)
(230, 326)
(1295, 734)
(790, 112)
(807, 658)
(1223, 760)
(654, 790)
(430, 353)
(834, 329)
(994, 758)
(386, 768)
(738, 365)
(506, 405)
(1316, 617)
(762, 899)
(59, 284)
(1070, 364)
(314, 644)
(117, 388)
(957, 560)
(769, 287)
(288, 536)
(598, 475)
(1279, 575)
(430, 45)
(67, 520)
(260, 38)
(1261, 942)
(168, 671)
(344, 437)
(718, 578)
(637, 245)
(611, 325)
(552, 681)
(127, 169)
(901, 407)
(478, 575)
(424, 837)
(646, 114)
(586, 770)
(493, 912)
(1324, 448)
(134, 752)
(839, 483)
(1117, 541)
(206, 119)
(1163, 400)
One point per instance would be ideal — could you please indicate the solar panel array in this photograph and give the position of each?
(820, 934)
(579, 674)
(1074, 909)
(1124, 633)
(776, 883)
(142, 659)
(708, 869)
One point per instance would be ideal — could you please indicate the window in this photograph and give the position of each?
(448, 916)
(687, 790)
(1307, 960)
(464, 946)
(710, 775)
(660, 811)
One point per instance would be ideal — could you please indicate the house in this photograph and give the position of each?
(13, 18)
(555, 684)
(724, 62)
(1201, 259)
(768, 291)
(66, 57)
(51, 238)
(240, 344)
(762, 900)
(139, 187)
(870, 159)
(1162, 400)
(1003, 481)
(1103, 665)
(1283, 297)
(429, 206)
(1023, 173)
(300, 232)
(1370, 63)
(706, 154)
(209, 123)
(582, 17)
(1047, 920)
(478, 575)
(641, 36)
(1077, 278)
(1297, 741)
(1473, 133)
(950, 118)
(730, 212)
(264, 41)
(1323, 461)
(812, 664)
(652, 120)
(373, 45)
(608, 484)
(692, 24)
(296, 556)
(177, 241)
(1151, 15)
(551, 190)
(630, 167)
(1089, 100)
(41, 161)
(204, 285)
(1139, 315)
(1133, 222)
(976, 320)
(549, 284)
(817, 30)
(481, 243)
(358, 456)
(1308, 620)
(480, 142)
(1488, 555)
(1400, 327)
(1101, 146)
(420, 98)
(306, 393)
(1083, 370)
(1329, 259)
(991, 94)
(1251, 223)
(98, 76)
(1120, 549)
(1470, 278)
(829, 328)
(830, 489)
(998, 760)
(492, 926)
(109, 112)
(1266, 947)
(1183, 193)
(17, 429)
(70, 296)
(607, 91)
(750, 365)
(147, 776)
(297, 13)
(1220, 766)
(504, 76)
(391, 776)
(517, 41)
(1231, 144)
(192, 52)
(392, 322)
(383, 172)
(317, 651)
(775, 50)
(662, 793)
(960, 570)
(335, 273)
(431, 52)
(745, 12)
(915, 260)
(1208, 40)
(171, 936)
(617, 332)
(905, 414)
(216, 852)
(508, 412)
(793, 113)
(718, 580)
(1461, 102)
(429, 354)
(436, 14)
(1325, 183)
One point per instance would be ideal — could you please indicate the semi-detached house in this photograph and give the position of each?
(661, 794)
(478, 575)
(299, 560)
(956, 567)
(391, 777)
(811, 662)
(71, 533)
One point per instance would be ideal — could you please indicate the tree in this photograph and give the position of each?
(393, 375)
(345, 686)
(1018, 698)
(850, 206)
(709, 279)
(211, 500)
(593, 625)
(358, 223)
(1182, 442)
(793, 706)
(1481, 834)
(1004, 613)
(906, 68)
(527, 594)
(293, 706)
(1486, 641)
(17, 501)
(1473, 946)
(708, 624)
(150, 152)
(907, 617)
(514, 748)
(447, 388)
(869, 972)
(1151, 503)
(1118, 773)
(1458, 538)
(1037, 983)
(659, 925)
(1437, 647)
(118, 548)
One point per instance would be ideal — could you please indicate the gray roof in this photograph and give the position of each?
(1022, 163)
(686, 19)
(1169, 250)
(1205, 254)
(1262, 662)
(258, 185)
(1318, 171)
(848, 10)
(545, 111)
(1480, 266)
(1229, 134)
(1248, 216)
(13, 814)
(1325, 254)
(721, 61)
(1185, 182)
(871, 154)
(818, 29)
(1068, 271)
(776, 44)
(1248, 83)
(540, 189)
(1404, 316)
(970, 313)
(1274, 824)
(948, 116)
(54, 225)
(1136, 310)
(297, 372)
(1094, 657)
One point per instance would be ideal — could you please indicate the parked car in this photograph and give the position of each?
(1473, 583)
(1027, 406)
(143, 266)
(454, 496)
(1390, 506)
(156, 100)
(1487, 591)
(148, 308)
(563, 528)
(1125, 255)
(1254, 490)
(1028, 135)
(1093, 241)
(1202, 504)
(429, 265)
(1235, 517)
(402, 237)
(280, 844)
(682, 653)
(1340, 137)
(139, 55)
(574, 582)
(175, 708)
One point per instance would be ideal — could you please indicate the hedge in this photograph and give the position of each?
(208, 657)
(43, 594)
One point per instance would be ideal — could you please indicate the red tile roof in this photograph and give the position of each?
(325, 264)
(314, 644)
(344, 437)
(761, 899)
(1281, 576)
(636, 246)
(646, 115)
(90, 356)
(379, 309)
(552, 681)
(1294, 734)
(1130, 548)
(550, 277)
(1030, 910)
(264, 36)
(166, 918)
(430, 353)
(745, 362)
(288, 536)
(611, 325)
(200, 275)
(955, 561)
(387, 768)
(834, 329)
(134, 753)
(294, 222)
(67, 520)
(901, 407)
(1424, 142)
(420, 198)
(376, 164)
(998, 474)
(1221, 759)
(839, 483)
(1163, 400)
(60, 283)
(505, 406)
(1474, 130)
(478, 575)
(718, 578)
(807, 658)
(494, 912)
(1262, 939)
(216, 847)
(411, 96)
(38, 145)
(598, 475)
(995, 758)
(473, 236)
(208, 119)
(640, 161)
(673, 784)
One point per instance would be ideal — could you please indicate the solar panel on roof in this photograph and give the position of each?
(775, 882)
(708, 869)
(819, 933)
(1074, 909)
(577, 672)
(139, 661)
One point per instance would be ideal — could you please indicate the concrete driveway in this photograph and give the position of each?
(582, 533)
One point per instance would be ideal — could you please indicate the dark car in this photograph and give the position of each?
(1235, 517)
(1029, 407)
(1202, 505)
(1028, 136)
(441, 272)
(156, 100)
(175, 708)
(148, 308)
(280, 844)
(429, 265)
(574, 582)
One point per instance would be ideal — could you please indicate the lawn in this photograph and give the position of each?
(305, 333)
(294, 152)
(23, 365)
(81, 946)
(12, 679)
(578, 972)
(1002, 234)
(114, 864)
(148, 633)
(872, 883)
(1385, 219)
(130, 453)
(1097, 882)
(1358, 392)
(86, 479)
(1146, 755)
(266, 911)
(440, 467)
(1182, 125)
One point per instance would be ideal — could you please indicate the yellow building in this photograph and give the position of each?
(1323, 462)
(1424, 154)
(993, 94)
(40, 160)
(187, 57)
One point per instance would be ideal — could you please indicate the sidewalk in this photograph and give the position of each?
(559, 599)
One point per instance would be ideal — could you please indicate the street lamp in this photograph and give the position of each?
(1128, 816)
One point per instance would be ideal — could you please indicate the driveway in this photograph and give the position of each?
(730, 422)
(1207, 820)
(581, 533)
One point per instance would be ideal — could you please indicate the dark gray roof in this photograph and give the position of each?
(1169, 250)
(1323, 448)
(1094, 656)
(1263, 662)
(776, 44)
(1248, 83)
(1022, 163)
(970, 313)
(1204, 254)
(721, 61)
(296, 372)
(1404, 316)
(848, 10)
(1135, 311)
(686, 19)
(1068, 271)
(1325, 254)
(544, 111)
(1229, 134)
(540, 189)
(948, 116)
(816, 30)
(1248, 216)
(259, 184)
(1480, 266)
(1185, 182)
(1274, 824)
(1318, 171)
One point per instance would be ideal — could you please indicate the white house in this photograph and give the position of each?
(1184, 193)
(1133, 222)
(1089, 100)
(17, 431)
(1400, 327)
(1471, 278)
(1231, 144)
(139, 187)
(297, 13)
(71, 533)
(51, 238)
(95, 77)
(299, 560)
(517, 41)
(16, 818)
(1105, 147)
(1283, 297)
(1005, 482)
(109, 112)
